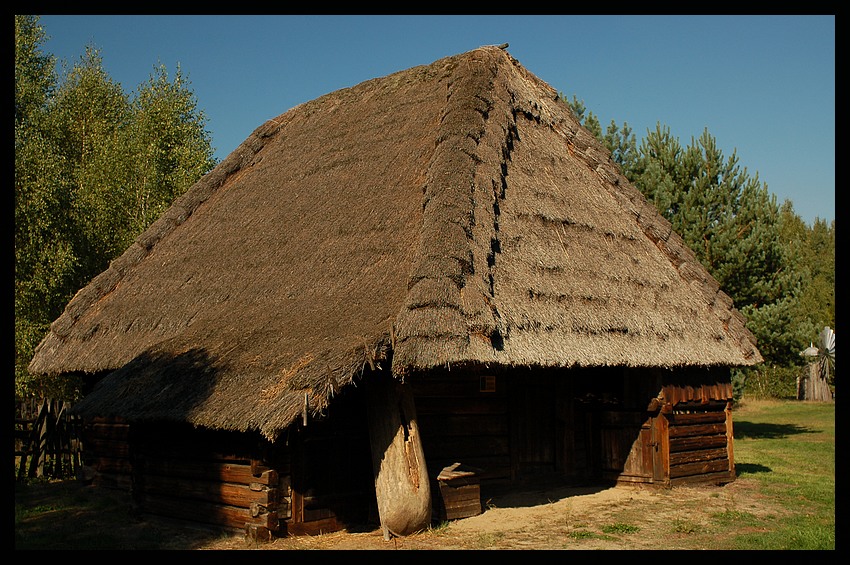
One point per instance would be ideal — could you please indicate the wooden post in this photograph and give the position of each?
(814, 386)
(398, 461)
(661, 441)
(730, 440)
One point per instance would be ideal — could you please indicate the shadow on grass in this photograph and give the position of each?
(70, 515)
(752, 430)
(750, 469)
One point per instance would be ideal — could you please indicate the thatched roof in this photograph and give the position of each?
(451, 213)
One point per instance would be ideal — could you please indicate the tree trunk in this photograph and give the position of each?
(398, 461)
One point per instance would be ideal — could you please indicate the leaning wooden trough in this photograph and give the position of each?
(401, 475)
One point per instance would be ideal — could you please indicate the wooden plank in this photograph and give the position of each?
(211, 470)
(314, 528)
(318, 513)
(462, 502)
(455, 384)
(697, 456)
(491, 467)
(697, 442)
(698, 430)
(208, 513)
(188, 448)
(211, 491)
(458, 474)
(678, 394)
(718, 478)
(107, 431)
(699, 468)
(462, 494)
(456, 448)
(439, 425)
(713, 416)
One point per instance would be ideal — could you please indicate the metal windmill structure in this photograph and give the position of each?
(821, 362)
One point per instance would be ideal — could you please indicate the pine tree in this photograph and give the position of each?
(589, 121)
(620, 141)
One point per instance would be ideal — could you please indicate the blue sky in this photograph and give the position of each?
(763, 86)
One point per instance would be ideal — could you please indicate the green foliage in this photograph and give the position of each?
(171, 148)
(816, 256)
(620, 141)
(88, 115)
(34, 76)
(45, 258)
(590, 121)
(768, 381)
(94, 167)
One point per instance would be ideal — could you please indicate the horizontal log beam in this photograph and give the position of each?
(697, 442)
(708, 478)
(697, 418)
(220, 493)
(446, 405)
(699, 468)
(315, 528)
(207, 513)
(224, 472)
(698, 430)
(108, 447)
(699, 456)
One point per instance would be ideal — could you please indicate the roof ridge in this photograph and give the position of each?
(446, 260)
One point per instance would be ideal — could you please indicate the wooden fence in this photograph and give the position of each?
(48, 443)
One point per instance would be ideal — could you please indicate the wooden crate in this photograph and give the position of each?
(460, 492)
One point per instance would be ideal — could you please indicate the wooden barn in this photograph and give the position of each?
(393, 298)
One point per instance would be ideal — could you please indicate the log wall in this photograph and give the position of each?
(464, 418)
(315, 479)
(217, 478)
(699, 441)
(107, 452)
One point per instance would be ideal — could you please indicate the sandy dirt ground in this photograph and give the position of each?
(558, 518)
(622, 517)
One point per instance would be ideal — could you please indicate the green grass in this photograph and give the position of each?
(620, 529)
(788, 448)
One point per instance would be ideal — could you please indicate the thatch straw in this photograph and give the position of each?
(454, 213)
